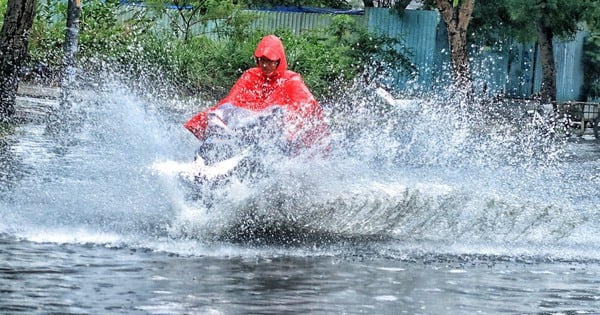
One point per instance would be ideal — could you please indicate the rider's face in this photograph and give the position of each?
(267, 66)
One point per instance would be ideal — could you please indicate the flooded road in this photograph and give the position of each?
(221, 279)
(404, 220)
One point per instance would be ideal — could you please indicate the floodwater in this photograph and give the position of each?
(435, 208)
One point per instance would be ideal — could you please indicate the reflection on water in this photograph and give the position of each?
(444, 209)
(91, 279)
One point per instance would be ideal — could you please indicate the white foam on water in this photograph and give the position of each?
(446, 174)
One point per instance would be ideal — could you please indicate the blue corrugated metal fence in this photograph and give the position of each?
(512, 69)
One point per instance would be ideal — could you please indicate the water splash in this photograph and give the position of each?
(448, 171)
(441, 170)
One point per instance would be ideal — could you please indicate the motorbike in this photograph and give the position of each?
(237, 140)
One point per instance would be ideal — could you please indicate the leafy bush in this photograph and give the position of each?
(335, 56)
(3, 4)
(46, 40)
(198, 65)
(201, 64)
(102, 38)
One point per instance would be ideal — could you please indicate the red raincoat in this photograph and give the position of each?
(255, 91)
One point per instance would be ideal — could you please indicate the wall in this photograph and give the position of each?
(513, 69)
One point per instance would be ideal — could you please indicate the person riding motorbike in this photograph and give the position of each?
(270, 87)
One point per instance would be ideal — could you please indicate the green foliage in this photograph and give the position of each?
(198, 65)
(591, 48)
(564, 19)
(203, 63)
(562, 16)
(320, 62)
(493, 21)
(334, 4)
(47, 35)
(337, 55)
(102, 37)
(187, 17)
(592, 66)
(325, 58)
(490, 25)
(3, 4)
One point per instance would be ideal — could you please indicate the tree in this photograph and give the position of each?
(544, 20)
(457, 15)
(70, 50)
(13, 49)
(528, 21)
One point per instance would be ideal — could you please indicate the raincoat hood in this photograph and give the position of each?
(254, 91)
(271, 48)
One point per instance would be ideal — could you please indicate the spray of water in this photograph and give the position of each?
(435, 169)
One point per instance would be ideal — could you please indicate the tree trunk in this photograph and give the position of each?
(457, 21)
(70, 51)
(13, 50)
(548, 88)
